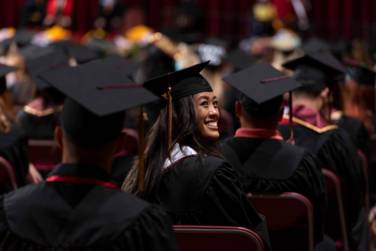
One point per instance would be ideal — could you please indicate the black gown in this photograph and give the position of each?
(76, 216)
(357, 132)
(13, 147)
(336, 152)
(39, 124)
(204, 190)
(270, 166)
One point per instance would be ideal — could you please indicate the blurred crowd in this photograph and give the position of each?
(30, 109)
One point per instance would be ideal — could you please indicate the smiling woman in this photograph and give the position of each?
(207, 114)
(184, 173)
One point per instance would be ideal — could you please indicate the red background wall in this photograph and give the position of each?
(230, 18)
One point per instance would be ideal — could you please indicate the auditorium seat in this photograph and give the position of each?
(218, 238)
(335, 218)
(44, 154)
(290, 220)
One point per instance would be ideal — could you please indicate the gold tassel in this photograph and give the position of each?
(169, 121)
(141, 149)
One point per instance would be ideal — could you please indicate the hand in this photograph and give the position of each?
(34, 176)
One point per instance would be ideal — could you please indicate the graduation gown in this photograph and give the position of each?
(356, 130)
(13, 147)
(336, 152)
(204, 190)
(82, 212)
(39, 123)
(272, 166)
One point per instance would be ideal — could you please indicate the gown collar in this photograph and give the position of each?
(178, 152)
(258, 133)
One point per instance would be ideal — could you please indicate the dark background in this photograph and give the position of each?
(331, 19)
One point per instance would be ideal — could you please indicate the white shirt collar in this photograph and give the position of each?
(178, 152)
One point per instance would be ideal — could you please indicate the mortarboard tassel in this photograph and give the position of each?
(141, 149)
(169, 121)
(291, 138)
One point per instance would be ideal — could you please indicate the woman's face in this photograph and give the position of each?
(207, 114)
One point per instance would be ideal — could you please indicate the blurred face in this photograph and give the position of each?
(207, 114)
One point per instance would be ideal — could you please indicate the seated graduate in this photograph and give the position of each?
(345, 100)
(40, 116)
(13, 142)
(79, 207)
(184, 172)
(358, 94)
(266, 164)
(332, 145)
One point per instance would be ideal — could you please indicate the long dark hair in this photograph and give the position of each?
(185, 132)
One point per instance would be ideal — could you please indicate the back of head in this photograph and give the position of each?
(86, 129)
(267, 109)
(313, 80)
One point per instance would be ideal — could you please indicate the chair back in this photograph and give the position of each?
(44, 154)
(290, 220)
(218, 238)
(335, 225)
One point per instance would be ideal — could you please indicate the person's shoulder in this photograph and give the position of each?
(199, 170)
(202, 163)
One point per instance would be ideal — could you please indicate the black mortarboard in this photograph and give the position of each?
(93, 114)
(362, 74)
(47, 61)
(4, 70)
(177, 85)
(261, 82)
(315, 44)
(34, 51)
(80, 53)
(183, 83)
(320, 59)
(240, 59)
(21, 38)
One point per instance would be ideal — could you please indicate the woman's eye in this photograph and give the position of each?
(205, 103)
(215, 104)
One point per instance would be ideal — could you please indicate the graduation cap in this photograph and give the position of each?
(320, 59)
(315, 44)
(180, 83)
(4, 70)
(177, 85)
(21, 38)
(49, 60)
(361, 73)
(94, 114)
(95, 85)
(80, 53)
(34, 51)
(261, 83)
(240, 59)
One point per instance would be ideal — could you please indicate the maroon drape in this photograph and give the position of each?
(229, 19)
